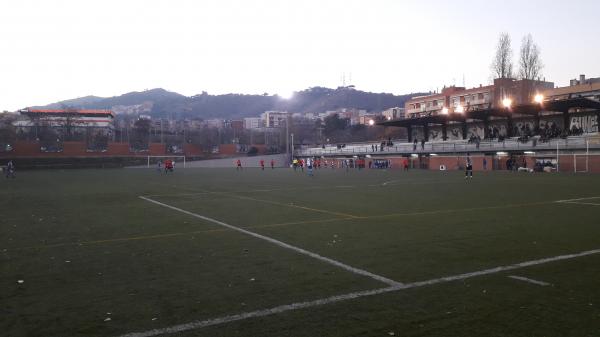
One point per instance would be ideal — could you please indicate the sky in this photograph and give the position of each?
(51, 50)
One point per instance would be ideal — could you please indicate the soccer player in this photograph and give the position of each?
(309, 167)
(168, 166)
(238, 165)
(469, 171)
(272, 164)
(10, 170)
(262, 164)
(159, 166)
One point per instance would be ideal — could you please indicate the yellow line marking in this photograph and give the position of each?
(229, 194)
(167, 235)
(301, 222)
(442, 211)
(283, 224)
(292, 205)
(132, 238)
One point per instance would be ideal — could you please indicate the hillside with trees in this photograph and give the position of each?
(204, 105)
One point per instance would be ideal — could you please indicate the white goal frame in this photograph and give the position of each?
(584, 167)
(167, 157)
(585, 155)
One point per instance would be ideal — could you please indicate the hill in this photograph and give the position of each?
(166, 103)
(81, 101)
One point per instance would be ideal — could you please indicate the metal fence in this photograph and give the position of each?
(508, 145)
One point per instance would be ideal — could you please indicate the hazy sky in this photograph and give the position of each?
(54, 50)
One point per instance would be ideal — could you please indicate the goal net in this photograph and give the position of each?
(580, 163)
(153, 160)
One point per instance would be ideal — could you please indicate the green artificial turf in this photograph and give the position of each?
(97, 260)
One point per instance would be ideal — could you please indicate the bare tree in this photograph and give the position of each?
(530, 63)
(502, 66)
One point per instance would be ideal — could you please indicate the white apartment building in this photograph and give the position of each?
(274, 119)
(253, 123)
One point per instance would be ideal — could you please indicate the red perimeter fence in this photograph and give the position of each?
(30, 149)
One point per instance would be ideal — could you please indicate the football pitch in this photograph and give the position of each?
(217, 252)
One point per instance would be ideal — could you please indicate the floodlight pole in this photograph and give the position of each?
(287, 135)
(557, 163)
(292, 135)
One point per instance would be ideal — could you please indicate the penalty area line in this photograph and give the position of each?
(526, 279)
(350, 296)
(578, 199)
(281, 244)
(580, 203)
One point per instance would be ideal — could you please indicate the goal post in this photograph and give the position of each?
(581, 161)
(152, 160)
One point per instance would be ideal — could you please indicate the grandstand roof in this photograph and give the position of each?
(561, 105)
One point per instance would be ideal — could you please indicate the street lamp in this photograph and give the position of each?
(444, 111)
(459, 109)
(507, 102)
(539, 98)
(371, 122)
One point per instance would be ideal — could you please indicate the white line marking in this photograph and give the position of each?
(258, 313)
(282, 244)
(525, 279)
(354, 295)
(389, 182)
(422, 182)
(197, 192)
(578, 199)
(580, 203)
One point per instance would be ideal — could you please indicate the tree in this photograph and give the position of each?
(139, 140)
(334, 123)
(530, 63)
(502, 66)
(8, 134)
(252, 151)
(68, 122)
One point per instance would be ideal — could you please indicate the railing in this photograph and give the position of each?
(414, 111)
(511, 144)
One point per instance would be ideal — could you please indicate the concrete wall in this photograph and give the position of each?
(281, 160)
(459, 162)
(79, 149)
(566, 162)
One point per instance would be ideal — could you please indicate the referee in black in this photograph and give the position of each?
(469, 170)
